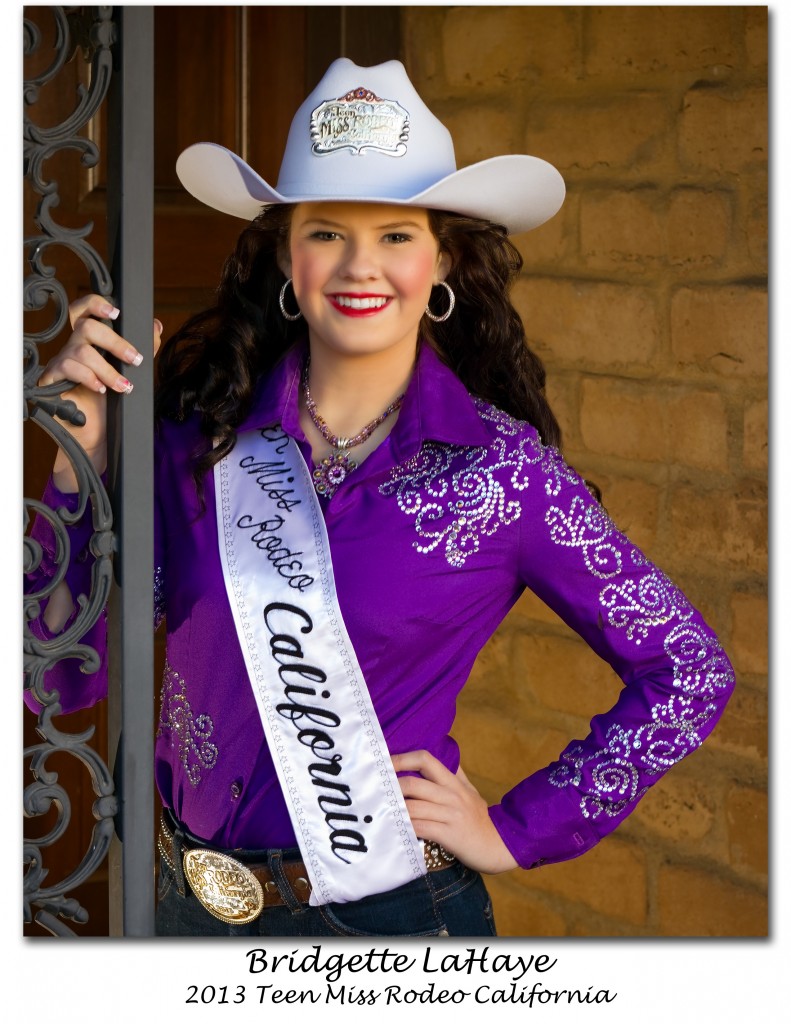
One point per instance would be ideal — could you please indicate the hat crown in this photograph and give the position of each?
(364, 131)
(364, 135)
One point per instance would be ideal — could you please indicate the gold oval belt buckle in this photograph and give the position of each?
(224, 886)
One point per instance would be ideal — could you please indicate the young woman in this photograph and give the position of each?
(357, 475)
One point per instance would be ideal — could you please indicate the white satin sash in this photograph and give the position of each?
(333, 765)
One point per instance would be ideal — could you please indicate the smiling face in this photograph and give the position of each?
(362, 275)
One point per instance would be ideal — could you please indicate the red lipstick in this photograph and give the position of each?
(357, 304)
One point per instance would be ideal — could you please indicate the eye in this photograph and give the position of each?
(397, 238)
(325, 236)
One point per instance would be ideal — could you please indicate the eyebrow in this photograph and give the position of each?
(378, 227)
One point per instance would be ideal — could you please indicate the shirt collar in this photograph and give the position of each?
(436, 406)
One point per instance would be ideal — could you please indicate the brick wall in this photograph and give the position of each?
(646, 298)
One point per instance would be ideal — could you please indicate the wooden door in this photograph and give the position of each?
(236, 76)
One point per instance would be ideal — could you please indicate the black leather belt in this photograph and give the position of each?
(235, 891)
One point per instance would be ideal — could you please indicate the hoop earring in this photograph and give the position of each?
(448, 311)
(282, 301)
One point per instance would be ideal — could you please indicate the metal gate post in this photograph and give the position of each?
(130, 436)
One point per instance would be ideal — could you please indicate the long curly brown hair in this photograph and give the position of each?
(214, 361)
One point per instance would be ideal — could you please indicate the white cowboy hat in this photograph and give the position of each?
(364, 135)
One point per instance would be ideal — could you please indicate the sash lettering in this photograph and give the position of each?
(348, 813)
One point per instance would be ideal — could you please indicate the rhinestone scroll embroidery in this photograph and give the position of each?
(457, 494)
(159, 596)
(637, 605)
(190, 732)
(699, 668)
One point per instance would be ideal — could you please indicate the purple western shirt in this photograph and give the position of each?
(433, 539)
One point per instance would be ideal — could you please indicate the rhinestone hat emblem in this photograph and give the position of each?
(359, 121)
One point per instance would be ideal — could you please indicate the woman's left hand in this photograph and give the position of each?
(448, 809)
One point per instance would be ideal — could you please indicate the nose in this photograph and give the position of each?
(360, 262)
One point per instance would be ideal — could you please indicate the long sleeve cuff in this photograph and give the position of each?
(540, 824)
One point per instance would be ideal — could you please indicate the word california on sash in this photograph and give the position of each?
(332, 761)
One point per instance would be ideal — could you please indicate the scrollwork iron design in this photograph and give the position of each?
(93, 32)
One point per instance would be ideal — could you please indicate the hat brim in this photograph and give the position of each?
(518, 191)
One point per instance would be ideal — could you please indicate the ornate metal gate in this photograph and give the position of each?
(117, 44)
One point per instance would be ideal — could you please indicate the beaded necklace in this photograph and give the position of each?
(330, 473)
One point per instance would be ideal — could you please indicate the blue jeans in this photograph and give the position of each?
(453, 901)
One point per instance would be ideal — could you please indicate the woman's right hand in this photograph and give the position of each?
(82, 360)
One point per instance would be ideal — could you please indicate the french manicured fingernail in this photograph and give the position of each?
(111, 312)
(134, 357)
(158, 325)
(124, 385)
(101, 389)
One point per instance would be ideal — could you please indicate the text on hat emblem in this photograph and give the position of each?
(359, 121)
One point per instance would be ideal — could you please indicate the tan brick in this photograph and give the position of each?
(488, 747)
(584, 324)
(698, 227)
(563, 396)
(422, 40)
(634, 507)
(518, 912)
(697, 425)
(481, 131)
(530, 608)
(491, 791)
(701, 226)
(721, 330)
(756, 435)
(622, 229)
(635, 420)
(543, 744)
(747, 813)
(748, 647)
(743, 728)
(720, 131)
(692, 902)
(491, 671)
(705, 592)
(729, 528)
(565, 675)
(495, 47)
(639, 40)
(756, 35)
(504, 749)
(757, 229)
(610, 878)
(624, 419)
(593, 926)
(678, 808)
(551, 242)
(631, 133)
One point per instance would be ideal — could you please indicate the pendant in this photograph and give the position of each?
(331, 472)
